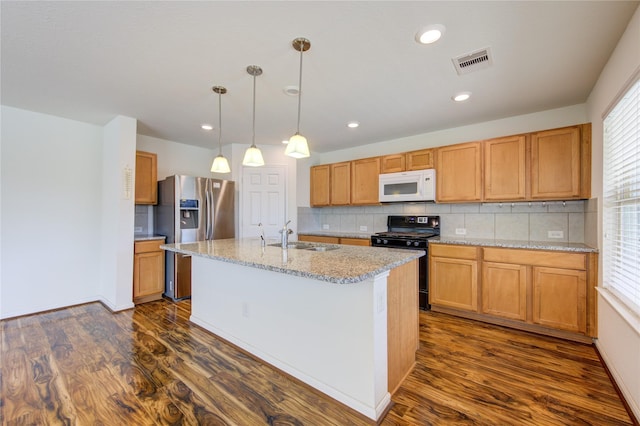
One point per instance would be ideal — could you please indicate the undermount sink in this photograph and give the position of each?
(307, 246)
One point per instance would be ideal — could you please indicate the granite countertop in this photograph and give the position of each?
(534, 245)
(362, 235)
(147, 237)
(345, 265)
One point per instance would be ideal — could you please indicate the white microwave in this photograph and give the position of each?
(418, 185)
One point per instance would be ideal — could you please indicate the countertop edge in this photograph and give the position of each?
(410, 255)
(148, 237)
(518, 244)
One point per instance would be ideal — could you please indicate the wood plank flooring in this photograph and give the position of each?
(150, 366)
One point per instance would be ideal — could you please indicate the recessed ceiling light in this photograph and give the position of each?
(207, 127)
(461, 97)
(353, 124)
(285, 141)
(291, 90)
(430, 34)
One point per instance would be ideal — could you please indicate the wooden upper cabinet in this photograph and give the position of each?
(420, 160)
(459, 172)
(320, 185)
(505, 168)
(146, 178)
(364, 181)
(340, 194)
(392, 163)
(557, 167)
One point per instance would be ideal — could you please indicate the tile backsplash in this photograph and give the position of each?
(143, 220)
(535, 221)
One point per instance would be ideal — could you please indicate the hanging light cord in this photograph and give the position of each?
(300, 84)
(220, 122)
(253, 139)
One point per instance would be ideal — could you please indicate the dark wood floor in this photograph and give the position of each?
(150, 366)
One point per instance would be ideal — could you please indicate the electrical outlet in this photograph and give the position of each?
(137, 229)
(363, 227)
(461, 231)
(555, 234)
(325, 226)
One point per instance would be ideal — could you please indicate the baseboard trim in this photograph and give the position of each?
(626, 405)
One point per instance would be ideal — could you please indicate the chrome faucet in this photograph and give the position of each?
(285, 231)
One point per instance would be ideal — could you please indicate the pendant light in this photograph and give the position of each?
(253, 156)
(297, 146)
(220, 163)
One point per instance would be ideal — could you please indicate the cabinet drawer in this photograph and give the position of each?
(355, 241)
(319, 239)
(457, 252)
(554, 259)
(147, 246)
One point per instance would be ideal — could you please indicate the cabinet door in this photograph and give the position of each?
(505, 168)
(453, 283)
(364, 181)
(559, 298)
(319, 186)
(555, 164)
(146, 178)
(340, 184)
(459, 172)
(504, 290)
(392, 163)
(148, 277)
(420, 160)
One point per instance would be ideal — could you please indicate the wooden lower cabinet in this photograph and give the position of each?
(547, 292)
(334, 240)
(560, 299)
(453, 277)
(148, 271)
(504, 290)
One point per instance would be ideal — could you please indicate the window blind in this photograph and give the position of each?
(621, 199)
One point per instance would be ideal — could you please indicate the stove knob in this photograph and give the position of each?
(378, 240)
(385, 241)
(409, 243)
(417, 244)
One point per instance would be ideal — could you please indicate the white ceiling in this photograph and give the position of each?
(157, 62)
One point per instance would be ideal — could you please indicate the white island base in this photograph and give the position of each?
(330, 336)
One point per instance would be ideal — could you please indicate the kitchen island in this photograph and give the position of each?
(343, 319)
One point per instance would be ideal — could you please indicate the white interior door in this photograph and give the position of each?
(263, 200)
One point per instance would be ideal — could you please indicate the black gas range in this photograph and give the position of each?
(411, 232)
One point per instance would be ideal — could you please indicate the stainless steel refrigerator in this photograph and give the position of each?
(191, 209)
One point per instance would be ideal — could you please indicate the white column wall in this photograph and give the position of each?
(116, 261)
(50, 212)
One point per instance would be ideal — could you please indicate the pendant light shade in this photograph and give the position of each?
(297, 146)
(253, 156)
(220, 163)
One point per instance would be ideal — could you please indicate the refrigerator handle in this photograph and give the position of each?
(209, 212)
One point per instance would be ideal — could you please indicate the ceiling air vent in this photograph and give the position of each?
(474, 61)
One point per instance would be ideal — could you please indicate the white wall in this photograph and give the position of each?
(51, 212)
(176, 158)
(619, 330)
(550, 119)
(116, 237)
